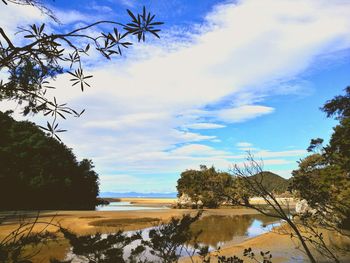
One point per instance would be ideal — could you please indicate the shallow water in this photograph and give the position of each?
(125, 206)
(217, 231)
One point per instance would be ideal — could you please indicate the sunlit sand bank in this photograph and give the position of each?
(89, 222)
(150, 201)
(281, 246)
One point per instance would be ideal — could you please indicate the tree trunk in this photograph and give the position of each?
(303, 243)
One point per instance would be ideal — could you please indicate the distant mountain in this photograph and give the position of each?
(273, 182)
(135, 194)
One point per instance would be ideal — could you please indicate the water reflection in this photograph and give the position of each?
(125, 206)
(219, 230)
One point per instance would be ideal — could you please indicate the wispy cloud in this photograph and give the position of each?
(72, 16)
(204, 126)
(243, 113)
(221, 75)
(127, 3)
(244, 144)
(100, 8)
(197, 150)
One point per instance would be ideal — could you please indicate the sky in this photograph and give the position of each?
(225, 78)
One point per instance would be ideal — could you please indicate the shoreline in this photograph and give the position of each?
(82, 223)
(89, 222)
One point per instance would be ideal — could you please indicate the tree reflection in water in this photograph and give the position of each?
(218, 229)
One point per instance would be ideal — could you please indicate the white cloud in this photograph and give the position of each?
(243, 113)
(128, 3)
(13, 16)
(101, 8)
(243, 51)
(266, 154)
(127, 121)
(127, 183)
(72, 16)
(277, 162)
(197, 149)
(244, 144)
(204, 126)
(271, 154)
(113, 179)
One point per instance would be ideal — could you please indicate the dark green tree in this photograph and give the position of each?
(338, 149)
(272, 182)
(39, 172)
(323, 178)
(205, 184)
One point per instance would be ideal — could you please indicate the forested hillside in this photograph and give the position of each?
(272, 182)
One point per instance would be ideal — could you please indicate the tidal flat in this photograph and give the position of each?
(227, 231)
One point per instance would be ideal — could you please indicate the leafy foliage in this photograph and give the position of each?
(248, 185)
(39, 172)
(99, 249)
(205, 184)
(212, 187)
(36, 3)
(323, 179)
(30, 68)
(166, 243)
(338, 149)
(13, 246)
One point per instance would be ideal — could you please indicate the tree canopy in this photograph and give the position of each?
(212, 186)
(205, 184)
(338, 149)
(39, 172)
(323, 178)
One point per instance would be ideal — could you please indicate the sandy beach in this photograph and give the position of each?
(90, 222)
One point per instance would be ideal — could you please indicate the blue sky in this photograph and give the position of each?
(225, 77)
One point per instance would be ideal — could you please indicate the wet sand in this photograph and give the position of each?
(90, 222)
(151, 201)
(281, 246)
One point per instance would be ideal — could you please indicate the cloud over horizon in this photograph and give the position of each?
(154, 108)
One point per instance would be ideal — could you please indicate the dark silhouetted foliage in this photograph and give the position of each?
(338, 149)
(14, 246)
(39, 172)
(98, 248)
(165, 243)
(168, 241)
(28, 68)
